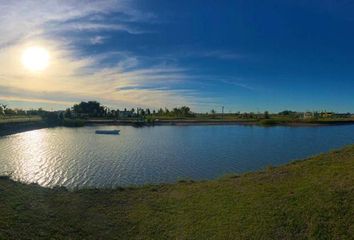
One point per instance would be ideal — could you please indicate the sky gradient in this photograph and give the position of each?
(244, 55)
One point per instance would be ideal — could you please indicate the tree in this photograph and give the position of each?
(160, 112)
(287, 113)
(20, 111)
(51, 118)
(213, 112)
(4, 107)
(185, 111)
(10, 111)
(61, 116)
(67, 113)
(167, 112)
(91, 108)
(266, 115)
(176, 112)
(6, 110)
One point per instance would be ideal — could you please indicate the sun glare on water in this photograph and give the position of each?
(35, 59)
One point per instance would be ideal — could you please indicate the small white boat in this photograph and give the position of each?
(112, 132)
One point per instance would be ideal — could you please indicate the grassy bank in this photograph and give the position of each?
(72, 123)
(309, 199)
(19, 119)
(220, 121)
(17, 124)
(289, 121)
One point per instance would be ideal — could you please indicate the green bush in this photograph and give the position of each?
(269, 122)
(73, 122)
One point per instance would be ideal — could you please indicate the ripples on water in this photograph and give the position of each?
(80, 158)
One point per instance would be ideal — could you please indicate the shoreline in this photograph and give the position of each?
(217, 122)
(14, 128)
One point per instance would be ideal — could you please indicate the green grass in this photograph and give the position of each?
(330, 120)
(272, 121)
(308, 199)
(19, 119)
(284, 120)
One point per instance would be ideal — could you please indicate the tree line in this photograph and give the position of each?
(95, 109)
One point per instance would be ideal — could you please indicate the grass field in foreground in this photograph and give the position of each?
(309, 199)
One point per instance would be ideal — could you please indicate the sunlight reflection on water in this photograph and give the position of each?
(79, 158)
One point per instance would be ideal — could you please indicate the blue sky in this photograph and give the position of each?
(244, 55)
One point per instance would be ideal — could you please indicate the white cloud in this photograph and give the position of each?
(96, 40)
(72, 77)
(27, 18)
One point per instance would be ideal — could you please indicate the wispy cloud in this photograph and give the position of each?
(72, 77)
(117, 78)
(97, 40)
(218, 54)
(23, 19)
(238, 83)
(93, 27)
(222, 54)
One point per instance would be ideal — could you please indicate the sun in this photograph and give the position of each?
(35, 59)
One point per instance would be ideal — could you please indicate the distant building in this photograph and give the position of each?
(126, 114)
(343, 115)
(326, 114)
(308, 115)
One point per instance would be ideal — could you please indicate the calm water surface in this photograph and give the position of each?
(80, 158)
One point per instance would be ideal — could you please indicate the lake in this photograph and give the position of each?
(77, 157)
